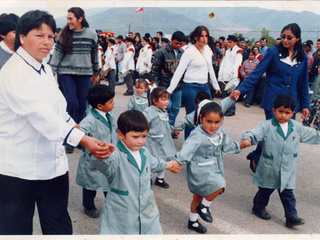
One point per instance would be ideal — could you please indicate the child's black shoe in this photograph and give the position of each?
(93, 213)
(196, 226)
(294, 221)
(161, 183)
(204, 212)
(261, 214)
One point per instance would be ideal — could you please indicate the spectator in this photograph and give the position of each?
(120, 55)
(137, 47)
(278, 40)
(164, 41)
(312, 50)
(159, 35)
(263, 48)
(316, 54)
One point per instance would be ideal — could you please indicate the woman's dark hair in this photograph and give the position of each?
(33, 20)
(250, 51)
(157, 93)
(67, 34)
(143, 82)
(137, 36)
(112, 41)
(253, 49)
(208, 108)
(298, 49)
(197, 33)
(285, 100)
(217, 42)
(146, 39)
(8, 23)
(99, 94)
(132, 120)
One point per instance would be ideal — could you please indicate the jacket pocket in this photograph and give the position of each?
(267, 156)
(118, 200)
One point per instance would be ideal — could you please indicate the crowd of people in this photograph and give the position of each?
(51, 105)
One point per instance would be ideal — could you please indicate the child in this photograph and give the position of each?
(202, 152)
(189, 119)
(314, 106)
(128, 66)
(150, 80)
(101, 124)
(130, 206)
(159, 141)
(279, 138)
(110, 61)
(139, 100)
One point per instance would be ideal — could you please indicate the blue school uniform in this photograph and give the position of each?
(138, 102)
(130, 206)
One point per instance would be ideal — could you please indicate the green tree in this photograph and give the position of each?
(270, 40)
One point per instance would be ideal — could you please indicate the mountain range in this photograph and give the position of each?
(227, 20)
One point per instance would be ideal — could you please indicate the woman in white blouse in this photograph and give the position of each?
(195, 67)
(34, 128)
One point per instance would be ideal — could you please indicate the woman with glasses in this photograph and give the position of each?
(286, 66)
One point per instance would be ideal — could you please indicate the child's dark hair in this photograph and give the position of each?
(99, 94)
(157, 93)
(143, 82)
(208, 108)
(285, 100)
(202, 96)
(132, 120)
(147, 76)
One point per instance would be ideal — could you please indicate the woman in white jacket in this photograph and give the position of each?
(145, 55)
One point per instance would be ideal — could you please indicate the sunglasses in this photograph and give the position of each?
(289, 37)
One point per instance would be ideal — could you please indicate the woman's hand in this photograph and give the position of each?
(96, 147)
(235, 95)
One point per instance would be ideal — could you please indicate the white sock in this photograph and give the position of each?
(193, 217)
(160, 175)
(206, 202)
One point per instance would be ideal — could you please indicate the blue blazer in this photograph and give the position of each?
(281, 78)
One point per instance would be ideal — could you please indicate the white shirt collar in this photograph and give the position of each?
(287, 60)
(6, 48)
(29, 59)
(103, 114)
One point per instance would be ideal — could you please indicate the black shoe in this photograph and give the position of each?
(196, 226)
(128, 93)
(247, 105)
(294, 221)
(249, 157)
(69, 150)
(205, 216)
(119, 83)
(93, 213)
(229, 114)
(261, 214)
(161, 183)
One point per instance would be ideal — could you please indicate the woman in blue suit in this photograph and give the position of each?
(286, 66)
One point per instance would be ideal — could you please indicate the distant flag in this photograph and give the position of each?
(139, 9)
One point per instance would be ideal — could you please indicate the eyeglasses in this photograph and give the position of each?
(289, 37)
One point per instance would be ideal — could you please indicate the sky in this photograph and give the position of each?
(59, 8)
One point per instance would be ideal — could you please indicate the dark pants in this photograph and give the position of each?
(129, 81)
(111, 77)
(17, 204)
(88, 197)
(287, 198)
(225, 94)
(75, 90)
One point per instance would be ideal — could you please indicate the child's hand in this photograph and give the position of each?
(175, 133)
(245, 143)
(173, 166)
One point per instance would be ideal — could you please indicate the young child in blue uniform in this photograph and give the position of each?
(279, 138)
(202, 152)
(159, 141)
(130, 206)
(139, 100)
(101, 124)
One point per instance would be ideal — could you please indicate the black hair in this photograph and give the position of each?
(147, 39)
(160, 33)
(67, 33)
(208, 108)
(147, 35)
(318, 40)
(240, 39)
(222, 38)
(157, 93)
(285, 100)
(147, 76)
(166, 40)
(217, 42)
(103, 38)
(310, 41)
(254, 48)
(156, 39)
(278, 39)
(142, 81)
(33, 20)
(197, 33)
(130, 33)
(263, 38)
(132, 120)
(298, 49)
(112, 41)
(178, 35)
(250, 51)
(8, 23)
(120, 37)
(99, 94)
(202, 96)
(137, 36)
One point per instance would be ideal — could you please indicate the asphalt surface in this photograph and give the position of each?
(232, 210)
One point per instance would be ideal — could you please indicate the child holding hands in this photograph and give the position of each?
(279, 138)
(130, 206)
(202, 152)
(139, 100)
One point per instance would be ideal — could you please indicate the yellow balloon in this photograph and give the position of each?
(211, 15)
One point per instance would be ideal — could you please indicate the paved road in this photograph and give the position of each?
(232, 210)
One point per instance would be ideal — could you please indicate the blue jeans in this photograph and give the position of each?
(174, 106)
(189, 92)
(121, 80)
(75, 90)
(287, 198)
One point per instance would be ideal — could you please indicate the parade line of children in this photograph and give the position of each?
(145, 146)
